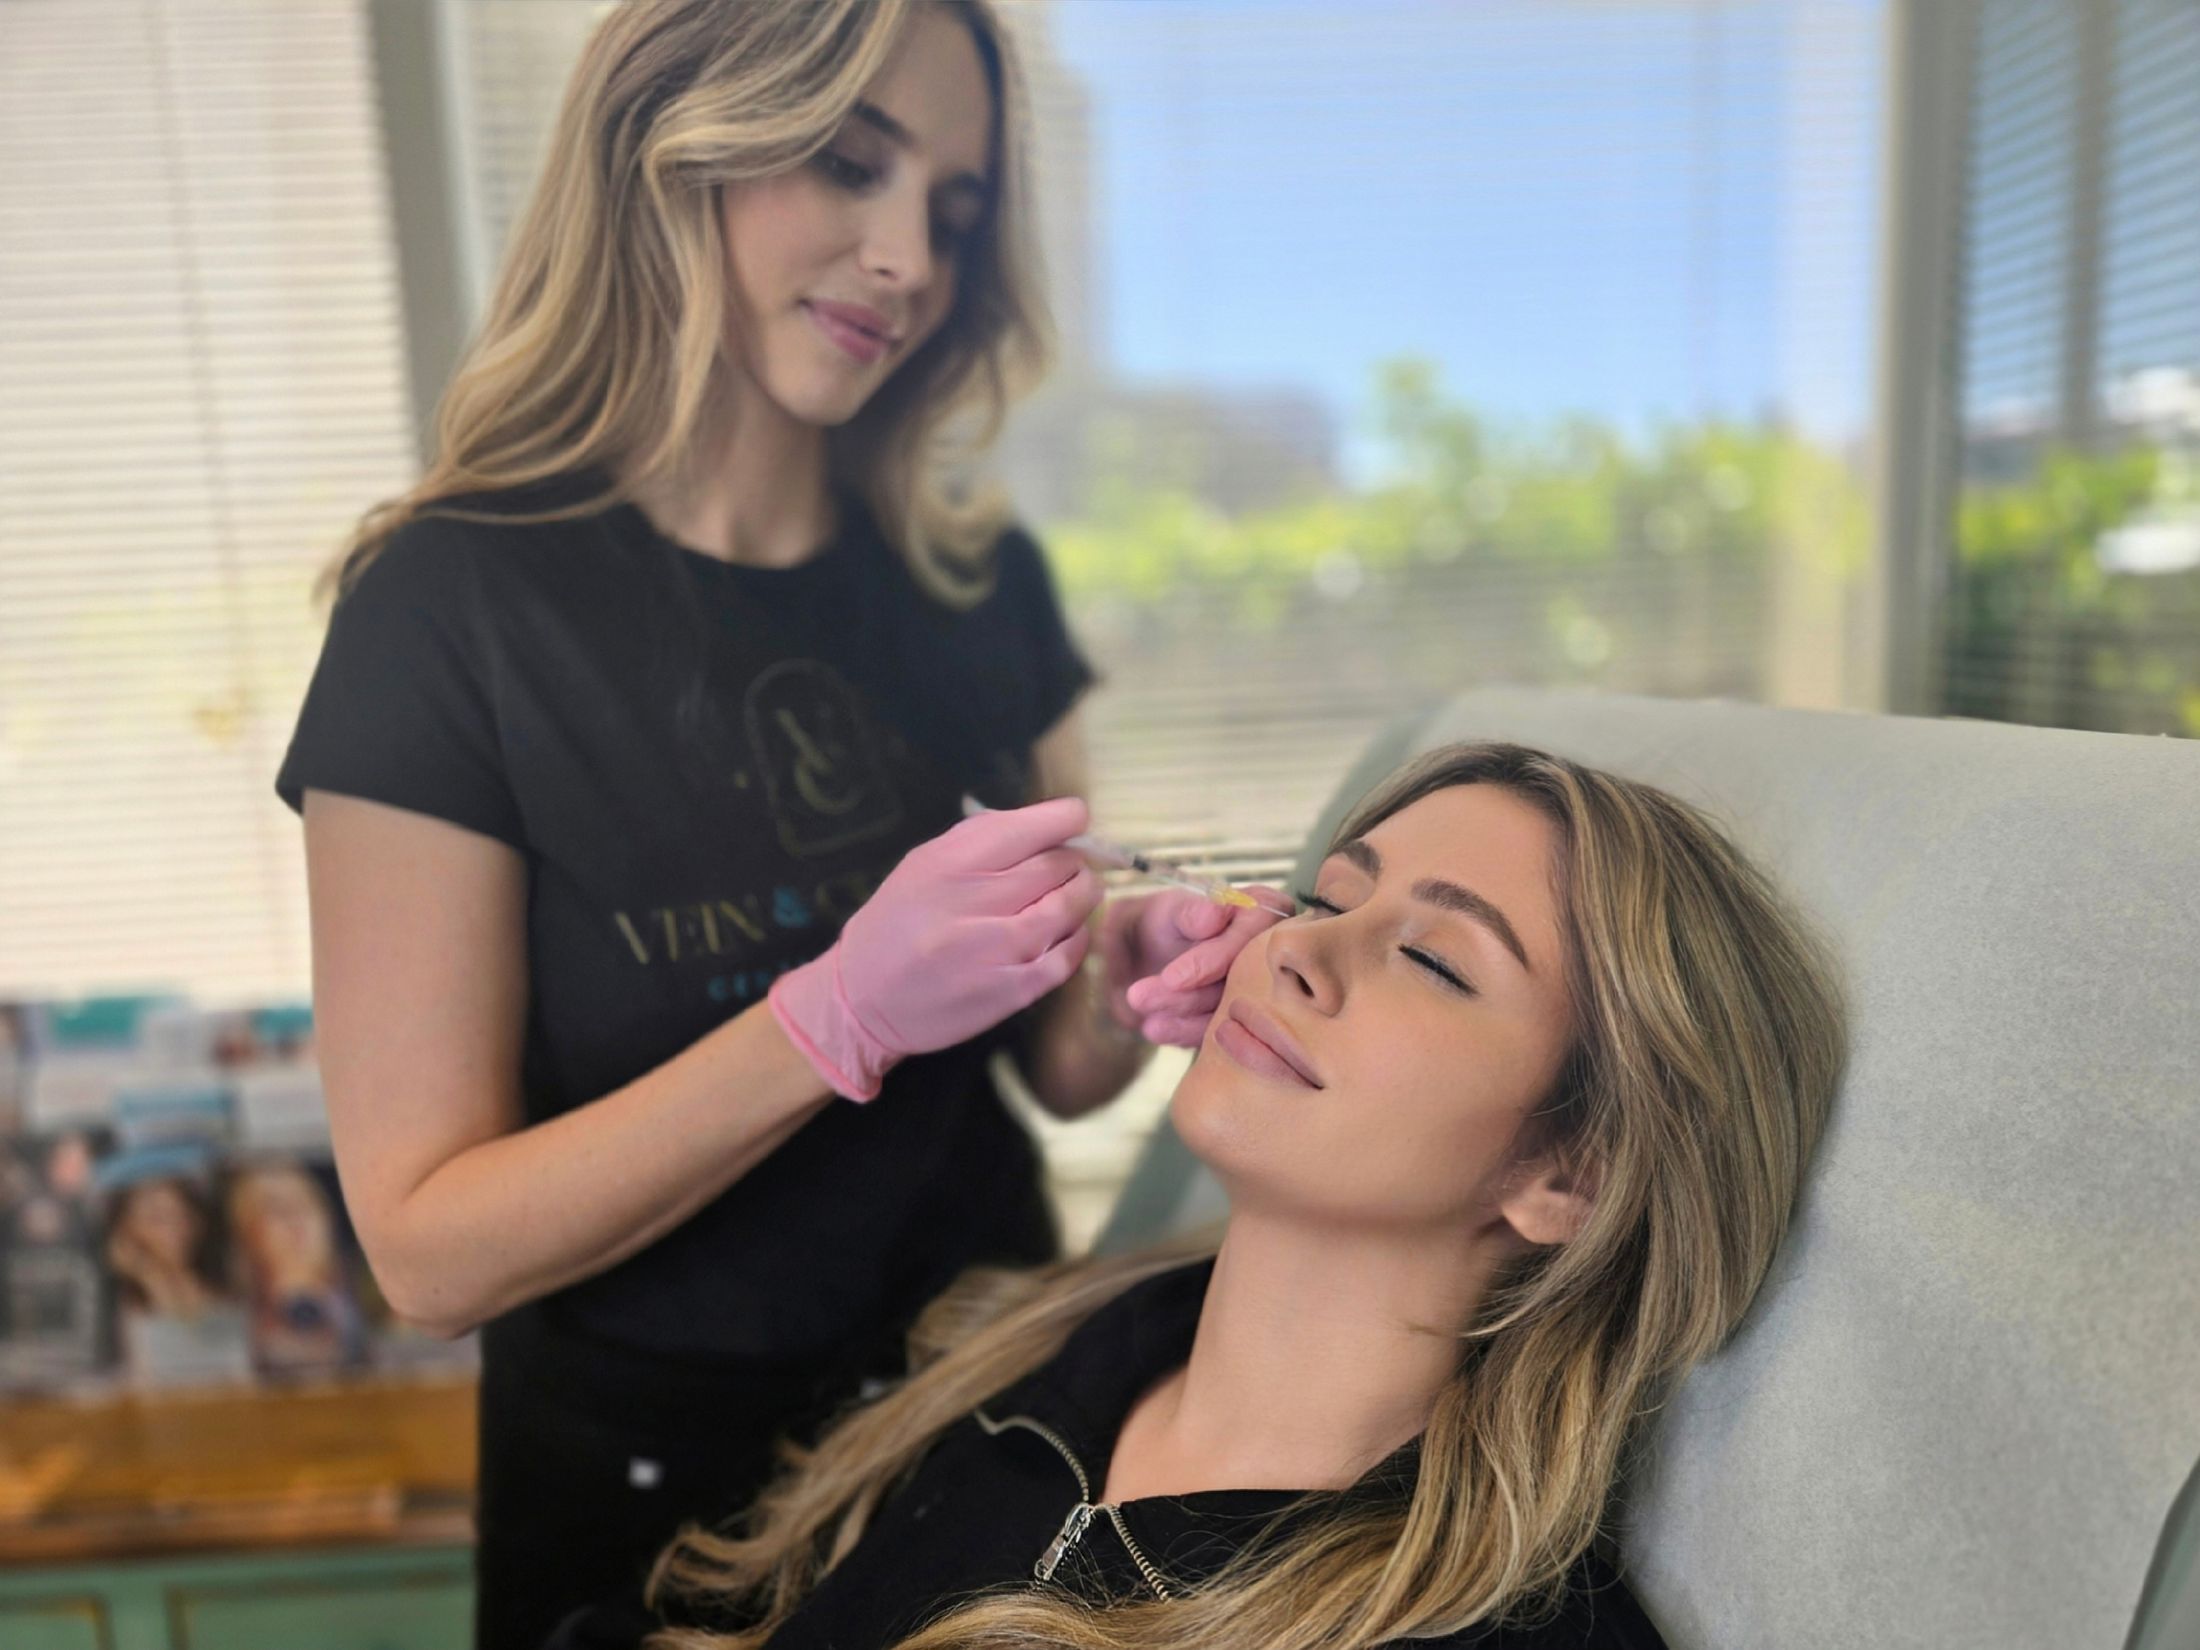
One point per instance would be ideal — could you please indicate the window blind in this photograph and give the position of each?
(2150, 291)
(201, 348)
(518, 57)
(2018, 222)
(2074, 597)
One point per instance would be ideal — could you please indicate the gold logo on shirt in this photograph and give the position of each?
(819, 754)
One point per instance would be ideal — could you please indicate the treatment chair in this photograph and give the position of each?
(1965, 1411)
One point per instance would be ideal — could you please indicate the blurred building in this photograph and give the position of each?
(1235, 450)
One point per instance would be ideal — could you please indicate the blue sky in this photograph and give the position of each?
(1646, 209)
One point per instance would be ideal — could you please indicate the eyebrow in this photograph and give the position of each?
(1447, 895)
(902, 138)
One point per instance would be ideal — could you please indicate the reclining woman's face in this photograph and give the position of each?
(1373, 1058)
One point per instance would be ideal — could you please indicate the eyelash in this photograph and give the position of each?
(855, 177)
(1434, 964)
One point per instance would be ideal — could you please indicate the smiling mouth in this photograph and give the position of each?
(864, 342)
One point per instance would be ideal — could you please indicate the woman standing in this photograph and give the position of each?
(631, 771)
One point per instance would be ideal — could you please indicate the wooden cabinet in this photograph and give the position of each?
(333, 1519)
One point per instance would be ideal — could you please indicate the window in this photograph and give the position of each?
(2074, 597)
(1284, 259)
(200, 335)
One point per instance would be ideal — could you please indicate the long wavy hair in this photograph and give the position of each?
(604, 341)
(1709, 1038)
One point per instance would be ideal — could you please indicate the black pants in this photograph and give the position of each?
(593, 1457)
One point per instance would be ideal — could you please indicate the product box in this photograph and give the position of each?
(178, 1318)
(78, 1055)
(14, 1069)
(296, 1264)
(266, 1057)
(55, 1327)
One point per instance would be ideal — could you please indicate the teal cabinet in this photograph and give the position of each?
(58, 1623)
(405, 1598)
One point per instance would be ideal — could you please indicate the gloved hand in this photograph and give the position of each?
(970, 927)
(1166, 957)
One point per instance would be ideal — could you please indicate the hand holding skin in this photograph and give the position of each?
(1167, 956)
(971, 927)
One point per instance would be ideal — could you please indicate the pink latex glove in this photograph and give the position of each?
(970, 927)
(1167, 955)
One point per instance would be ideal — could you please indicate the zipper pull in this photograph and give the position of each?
(1072, 1531)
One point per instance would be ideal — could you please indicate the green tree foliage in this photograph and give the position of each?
(1578, 493)
(2040, 631)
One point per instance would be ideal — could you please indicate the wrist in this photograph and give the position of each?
(1100, 1007)
(812, 1008)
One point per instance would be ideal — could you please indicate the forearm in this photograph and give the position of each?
(1077, 1058)
(520, 1215)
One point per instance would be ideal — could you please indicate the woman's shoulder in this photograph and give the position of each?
(453, 548)
(1018, 561)
(509, 517)
(986, 562)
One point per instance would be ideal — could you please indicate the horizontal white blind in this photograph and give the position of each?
(204, 384)
(2018, 220)
(518, 56)
(2150, 293)
(2075, 596)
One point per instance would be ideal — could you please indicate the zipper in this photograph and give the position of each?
(1080, 1516)
(1065, 1541)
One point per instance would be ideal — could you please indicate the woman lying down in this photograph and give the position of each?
(1511, 1117)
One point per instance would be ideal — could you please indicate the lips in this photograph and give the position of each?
(1257, 1041)
(863, 333)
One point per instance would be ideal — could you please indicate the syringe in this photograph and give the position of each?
(1101, 851)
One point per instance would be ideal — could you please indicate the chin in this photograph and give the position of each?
(1215, 1117)
(1242, 1131)
(821, 410)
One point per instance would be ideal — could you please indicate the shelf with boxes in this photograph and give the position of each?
(194, 1360)
(169, 1215)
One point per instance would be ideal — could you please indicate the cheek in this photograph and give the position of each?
(1450, 1114)
(933, 308)
(776, 234)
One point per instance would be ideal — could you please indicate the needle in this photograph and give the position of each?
(1100, 850)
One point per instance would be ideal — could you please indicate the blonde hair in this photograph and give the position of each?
(1709, 1041)
(603, 343)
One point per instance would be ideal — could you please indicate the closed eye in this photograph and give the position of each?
(839, 170)
(1440, 968)
(1313, 903)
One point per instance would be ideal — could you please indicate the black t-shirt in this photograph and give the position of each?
(707, 767)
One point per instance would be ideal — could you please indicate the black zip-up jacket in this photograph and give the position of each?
(1006, 1498)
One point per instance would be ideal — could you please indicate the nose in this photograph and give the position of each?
(1302, 966)
(897, 238)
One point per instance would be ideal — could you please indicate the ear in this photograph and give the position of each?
(1548, 1201)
